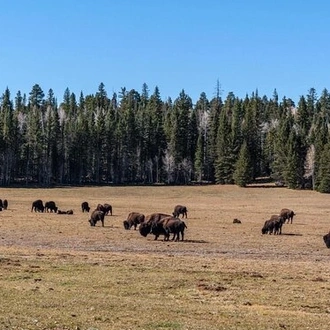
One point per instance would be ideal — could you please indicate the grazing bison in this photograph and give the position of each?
(37, 206)
(95, 217)
(50, 207)
(273, 225)
(85, 207)
(65, 212)
(133, 220)
(145, 227)
(174, 226)
(107, 209)
(287, 214)
(326, 239)
(268, 227)
(5, 204)
(180, 209)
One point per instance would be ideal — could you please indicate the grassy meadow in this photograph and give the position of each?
(57, 272)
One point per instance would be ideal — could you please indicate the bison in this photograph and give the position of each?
(64, 212)
(273, 225)
(166, 226)
(107, 209)
(180, 209)
(95, 217)
(174, 226)
(50, 207)
(287, 214)
(150, 220)
(5, 204)
(37, 206)
(85, 207)
(326, 239)
(133, 220)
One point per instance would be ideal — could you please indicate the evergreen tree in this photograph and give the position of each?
(216, 106)
(224, 164)
(36, 98)
(243, 169)
(323, 185)
(8, 136)
(304, 118)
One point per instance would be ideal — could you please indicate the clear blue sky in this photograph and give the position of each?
(175, 45)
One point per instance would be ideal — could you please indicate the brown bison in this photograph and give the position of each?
(166, 226)
(107, 209)
(85, 207)
(174, 226)
(64, 212)
(180, 209)
(326, 239)
(145, 227)
(287, 214)
(273, 225)
(5, 204)
(95, 217)
(133, 220)
(37, 206)
(50, 207)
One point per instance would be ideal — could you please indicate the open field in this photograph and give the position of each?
(57, 272)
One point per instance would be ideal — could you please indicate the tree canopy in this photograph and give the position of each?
(137, 138)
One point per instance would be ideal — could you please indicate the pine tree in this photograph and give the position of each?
(243, 170)
(224, 164)
(324, 170)
(216, 106)
(8, 135)
(36, 98)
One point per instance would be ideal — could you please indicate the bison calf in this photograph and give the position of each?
(180, 209)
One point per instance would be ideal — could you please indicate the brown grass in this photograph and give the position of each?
(57, 272)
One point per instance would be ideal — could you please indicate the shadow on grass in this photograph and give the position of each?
(195, 241)
(291, 234)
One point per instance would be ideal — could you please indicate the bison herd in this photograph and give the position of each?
(155, 223)
(158, 224)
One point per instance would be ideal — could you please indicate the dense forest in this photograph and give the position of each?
(138, 138)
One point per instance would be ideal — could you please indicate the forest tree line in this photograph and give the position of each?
(138, 138)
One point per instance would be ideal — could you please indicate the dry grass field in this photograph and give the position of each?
(58, 272)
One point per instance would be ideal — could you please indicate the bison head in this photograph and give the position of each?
(326, 239)
(92, 222)
(144, 229)
(126, 224)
